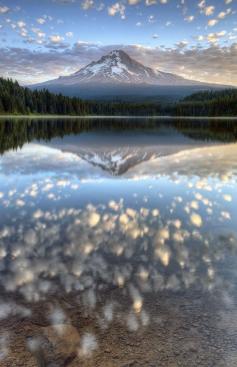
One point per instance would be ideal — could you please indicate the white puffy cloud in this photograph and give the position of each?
(212, 22)
(21, 24)
(202, 4)
(209, 10)
(117, 8)
(223, 14)
(4, 9)
(214, 37)
(56, 38)
(133, 2)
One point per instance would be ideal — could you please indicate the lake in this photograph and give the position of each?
(118, 242)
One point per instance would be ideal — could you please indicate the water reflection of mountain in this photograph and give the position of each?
(14, 133)
(97, 270)
(116, 153)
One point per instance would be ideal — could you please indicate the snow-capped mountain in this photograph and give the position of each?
(117, 74)
(119, 67)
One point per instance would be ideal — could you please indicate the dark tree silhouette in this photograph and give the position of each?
(15, 99)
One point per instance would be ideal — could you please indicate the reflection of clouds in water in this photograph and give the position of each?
(12, 309)
(111, 244)
(159, 242)
(88, 345)
(227, 198)
(34, 158)
(4, 341)
(196, 220)
(217, 161)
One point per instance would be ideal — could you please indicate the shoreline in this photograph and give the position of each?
(166, 117)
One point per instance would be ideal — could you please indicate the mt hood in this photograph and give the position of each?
(118, 68)
(117, 74)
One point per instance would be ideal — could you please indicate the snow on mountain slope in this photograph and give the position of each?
(117, 161)
(119, 68)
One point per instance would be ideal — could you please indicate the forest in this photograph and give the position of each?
(18, 100)
(209, 103)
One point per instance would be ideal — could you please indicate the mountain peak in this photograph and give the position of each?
(118, 68)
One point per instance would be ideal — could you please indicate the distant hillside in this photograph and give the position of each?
(15, 99)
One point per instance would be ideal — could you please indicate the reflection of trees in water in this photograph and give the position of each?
(16, 132)
(219, 130)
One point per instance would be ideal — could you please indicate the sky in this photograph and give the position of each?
(41, 40)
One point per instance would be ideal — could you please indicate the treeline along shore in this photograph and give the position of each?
(18, 100)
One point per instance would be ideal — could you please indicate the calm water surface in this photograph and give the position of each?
(118, 243)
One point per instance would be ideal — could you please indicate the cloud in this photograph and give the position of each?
(4, 9)
(215, 64)
(223, 14)
(214, 37)
(87, 4)
(209, 10)
(21, 24)
(41, 20)
(56, 39)
(56, 42)
(117, 8)
(212, 22)
(182, 44)
(150, 2)
(38, 32)
(190, 18)
(133, 2)
(202, 4)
